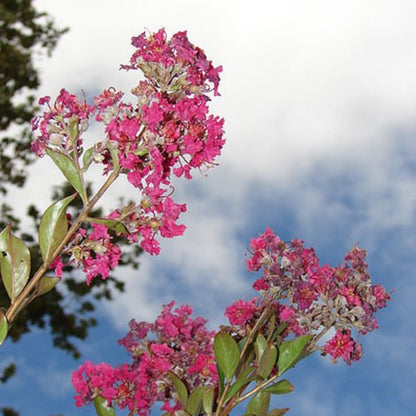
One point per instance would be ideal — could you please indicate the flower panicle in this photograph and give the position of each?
(312, 298)
(175, 342)
(168, 132)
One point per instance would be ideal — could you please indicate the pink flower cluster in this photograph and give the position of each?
(167, 132)
(95, 253)
(141, 222)
(175, 343)
(180, 64)
(310, 298)
(61, 126)
(240, 312)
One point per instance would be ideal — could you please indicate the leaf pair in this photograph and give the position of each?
(259, 404)
(14, 263)
(227, 354)
(266, 356)
(53, 228)
(15, 256)
(290, 352)
(200, 398)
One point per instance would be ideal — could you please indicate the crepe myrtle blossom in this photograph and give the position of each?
(175, 342)
(296, 296)
(166, 132)
(311, 298)
(343, 345)
(62, 124)
(241, 311)
(94, 252)
(180, 65)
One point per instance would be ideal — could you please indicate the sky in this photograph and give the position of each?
(319, 102)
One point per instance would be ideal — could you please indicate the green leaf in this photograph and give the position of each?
(281, 387)
(249, 353)
(14, 263)
(221, 379)
(227, 354)
(87, 158)
(114, 225)
(208, 400)
(267, 361)
(102, 408)
(45, 284)
(4, 327)
(53, 227)
(291, 351)
(70, 171)
(141, 151)
(73, 129)
(259, 404)
(271, 328)
(180, 389)
(114, 157)
(278, 412)
(195, 401)
(242, 380)
(241, 343)
(259, 346)
(278, 331)
(281, 328)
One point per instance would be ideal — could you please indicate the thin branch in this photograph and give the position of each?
(14, 308)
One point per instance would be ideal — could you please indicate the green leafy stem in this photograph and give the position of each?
(50, 248)
(256, 359)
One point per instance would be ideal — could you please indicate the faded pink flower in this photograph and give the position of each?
(56, 127)
(314, 298)
(380, 295)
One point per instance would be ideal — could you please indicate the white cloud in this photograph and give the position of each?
(51, 377)
(308, 89)
(202, 268)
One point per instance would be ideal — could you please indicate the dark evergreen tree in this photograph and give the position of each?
(26, 33)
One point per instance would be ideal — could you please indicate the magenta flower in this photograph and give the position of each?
(174, 342)
(342, 345)
(185, 64)
(95, 252)
(241, 311)
(92, 380)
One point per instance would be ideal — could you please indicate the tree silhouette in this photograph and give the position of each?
(26, 33)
